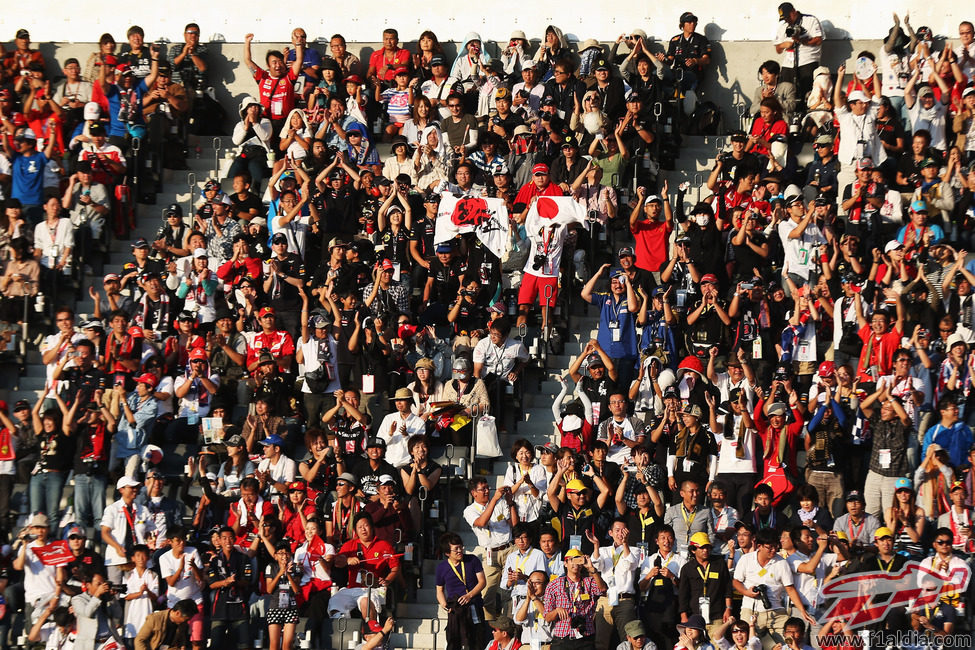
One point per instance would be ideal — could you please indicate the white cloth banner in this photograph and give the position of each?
(488, 218)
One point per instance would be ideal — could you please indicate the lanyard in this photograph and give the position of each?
(849, 524)
(704, 576)
(130, 517)
(520, 565)
(462, 575)
(885, 569)
(617, 556)
(688, 521)
(644, 522)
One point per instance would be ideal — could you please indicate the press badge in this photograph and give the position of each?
(803, 256)
(704, 603)
(688, 465)
(575, 541)
(617, 334)
(883, 457)
(613, 595)
(368, 383)
(396, 269)
(757, 349)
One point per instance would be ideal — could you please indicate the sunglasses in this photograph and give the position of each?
(942, 542)
(77, 537)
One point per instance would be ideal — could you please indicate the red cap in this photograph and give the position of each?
(147, 378)
(375, 627)
(692, 363)
(387, 265)
(198, 354)
(110, 59)
(265, 311)
(827, 368)
(297, 485)
(353, 79)
(137, 332)
(401, 70)
(406, 331)
(122, 68)
(709, 277)
(540, 168)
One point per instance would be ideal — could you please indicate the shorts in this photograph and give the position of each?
(344, 601)
(196, 625)
(533, 285)
(282, 616)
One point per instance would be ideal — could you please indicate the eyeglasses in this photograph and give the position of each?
(537, 174)
(902, 360)
(942, 542)
(483, 488)
(453, 105)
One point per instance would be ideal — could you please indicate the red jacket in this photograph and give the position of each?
(770, 440)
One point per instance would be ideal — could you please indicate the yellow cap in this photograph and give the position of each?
(882, 532)
(576, 485)
(573, 552)
(700, 539)
(841, 535)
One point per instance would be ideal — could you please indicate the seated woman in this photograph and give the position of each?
(253, 135)
(19, 279)
(767, 128)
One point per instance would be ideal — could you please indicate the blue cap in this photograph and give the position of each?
(273, 439)
(919, 205)
(444, 247)
(658, 291)
(903, 484)
(615, 273)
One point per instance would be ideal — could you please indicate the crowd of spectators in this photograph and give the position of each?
(776, 395)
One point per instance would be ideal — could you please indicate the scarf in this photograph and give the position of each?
(806, 517)
(142, 315)
(729, 423)
(684, 440)
(241, 508)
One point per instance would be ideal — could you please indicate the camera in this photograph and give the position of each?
(762, 591)
(117, 589)
(578, 622)
(795, 31)
(295, 570)
(496, 120)
(545, 117)
(747, 286)
(538, 261)
(592, 215)
(91, 466)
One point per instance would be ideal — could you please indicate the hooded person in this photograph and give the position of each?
(554, 47)
(294, 134)
(253, 135)
(432, 158)
(470, 62)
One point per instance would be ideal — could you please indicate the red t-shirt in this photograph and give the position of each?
(766, 132)
(400, 58)
(651, 243)
(377, 558)
(529, 190)
(278, 343)
(878, 352)
(277, 93)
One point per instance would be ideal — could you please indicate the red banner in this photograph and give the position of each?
(54, 554)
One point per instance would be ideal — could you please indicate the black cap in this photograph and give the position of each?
(96, 129)
(173, 209)
(140, 243)
(601, 64)
(687, 17)
(23, 33)
(738, 136)
(164, 69)
(436, 60)
(279, 238)
(375, 441)
(21, 404)
(548, 100)
(785, 9)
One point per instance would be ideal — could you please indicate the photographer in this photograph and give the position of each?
(799, 40)
(570, 603)
(87, 203)
(97, 609)
(39, 579)
(229, 576)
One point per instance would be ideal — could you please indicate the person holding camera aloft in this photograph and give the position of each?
(570, 603)
(799, 39)
(617, 320)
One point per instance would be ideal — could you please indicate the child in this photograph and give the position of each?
(398, 101)
(142, 590)
(285, 592)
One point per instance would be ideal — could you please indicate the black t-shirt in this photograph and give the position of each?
(87, 381)
(598, 392)
(422, 232)
(243, 206)
(337, 211)
(446, 280)
(708, 328)
(369, 478)
(576, 523)
(57, 451)
(643, 530)
(92, 451)
(351, 435)
(680, 49)
(283, 294)
(396, 248)
(745, 258)
(471, 316)
(228, 602)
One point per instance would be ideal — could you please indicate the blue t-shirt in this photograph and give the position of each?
(27, 175)
(116, 126)
(615, 313)
(450, 581)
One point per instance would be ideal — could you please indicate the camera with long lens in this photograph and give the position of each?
(762, 591)
(795, 31)
(578, 622)
(115, 589)
(295, 571)
(538, 262)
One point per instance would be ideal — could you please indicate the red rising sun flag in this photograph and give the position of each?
(549, 210)
(488, 218)
(54, 554)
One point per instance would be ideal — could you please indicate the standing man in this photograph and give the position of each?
(704, 587)
(124, 525)
(688, 518)
(617, 320)
(228, 576)
(799, 39)
(570, 603)
(460, 581)
(491, 519)
(617, 565)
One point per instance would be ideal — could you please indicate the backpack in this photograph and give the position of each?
(705, 120)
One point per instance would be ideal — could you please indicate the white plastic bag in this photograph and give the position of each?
(487, 437)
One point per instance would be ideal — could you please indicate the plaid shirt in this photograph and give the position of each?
(893, 435)
(576, 598)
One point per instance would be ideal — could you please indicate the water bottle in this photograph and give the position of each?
(408, 552)
(39, 303)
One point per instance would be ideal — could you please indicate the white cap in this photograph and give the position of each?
(857, 96)
(92, 111)
(126, 481)
(892, 245)
(386, 478)
(199, 252)
(211, 476)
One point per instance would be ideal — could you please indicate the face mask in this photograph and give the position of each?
(701, 219)
(460, 375)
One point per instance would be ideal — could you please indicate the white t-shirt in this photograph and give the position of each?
(892, 67)
(136, 611)
(309, 351)
(186, 586)
(50, 342)
(777, 575)
(800, 253)
(548, 244)
(114, 517)
(38, 578)
(728, 461)
(932, 119)
(296, 231)
(283, 472)
(498, 530)
(499, 360)
(857, 128)
(165, 385)
(807, 53)
(190, 404)
(397, 450)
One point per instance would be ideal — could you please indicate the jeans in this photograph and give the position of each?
(256, 166)
(89, 498)
(45, 495)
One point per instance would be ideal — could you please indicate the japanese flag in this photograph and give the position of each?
(554, 210)
(488, 218)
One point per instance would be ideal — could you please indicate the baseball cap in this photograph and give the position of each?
(709, 278)
(903, 484)
(919, 205)
(601, 64)
(235, 440)
(653, 198)
(882, 532)
(924, 90)
(827, 369)
(865, 163)
(349, 478)
(126, 481)
(436, 60)
(279, 238)
(892, 245)
(140, 243)
(687, 17)
(265, 311)
(502, 93)
(776, 408)
(386, 479)
(956, 485)
(857, 96)
(738, 136)
(273, 439)
(824, 139)
(855, 495)
(375, 441)
(700, 539)
(198, 354)
(146, 378)
(635, 629)
(927, 162)
(575, 485)
(297, 486)
(572, 552)
(626, 251)
(540, 168)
